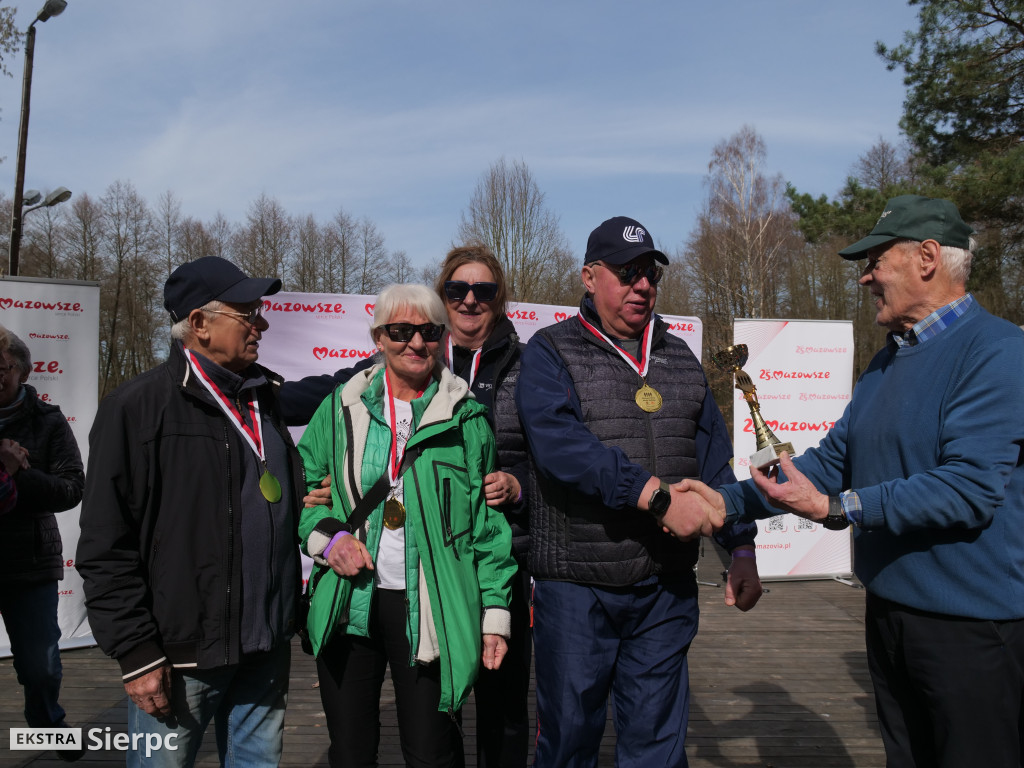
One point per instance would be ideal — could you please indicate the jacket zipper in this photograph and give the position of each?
(231, 553)
(440, 600)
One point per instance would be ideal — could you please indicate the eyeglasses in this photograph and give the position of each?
(457, 290)
(250, 317)
(404, 332)
(631, 273)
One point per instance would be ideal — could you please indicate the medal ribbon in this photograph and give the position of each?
(641, 365)
(473, 368)
(394, 460)
(252, 435)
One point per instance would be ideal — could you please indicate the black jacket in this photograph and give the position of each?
(494, 385)
(160, 548)
(30, 545)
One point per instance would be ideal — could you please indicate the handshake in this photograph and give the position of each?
(695, 510)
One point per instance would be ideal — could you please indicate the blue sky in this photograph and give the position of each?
(393, 109)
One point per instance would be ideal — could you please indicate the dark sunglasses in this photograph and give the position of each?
(457, 290)
(404, 332)
(630, 273)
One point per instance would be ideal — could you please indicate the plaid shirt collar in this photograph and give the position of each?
(935, 323)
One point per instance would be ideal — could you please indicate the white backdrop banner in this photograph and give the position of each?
(321, 333)
(59, 321)
(802, 370)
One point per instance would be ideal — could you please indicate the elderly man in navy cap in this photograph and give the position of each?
(188, 546)
(616, 409)
(926, 463)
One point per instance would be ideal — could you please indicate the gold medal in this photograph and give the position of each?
(394, 514)
(648, 398)
(270, 487)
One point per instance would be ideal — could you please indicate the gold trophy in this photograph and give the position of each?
(768, 445)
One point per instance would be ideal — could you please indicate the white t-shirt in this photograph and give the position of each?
(390, 564)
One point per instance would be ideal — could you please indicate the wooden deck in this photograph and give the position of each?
(784, 686)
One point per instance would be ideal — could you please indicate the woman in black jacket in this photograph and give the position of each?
(49, 479)
(483, 348)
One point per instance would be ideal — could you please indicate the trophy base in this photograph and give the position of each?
(769, 455)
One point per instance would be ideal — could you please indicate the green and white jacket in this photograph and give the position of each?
(458, 550)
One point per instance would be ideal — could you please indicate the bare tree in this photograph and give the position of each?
(371, 256)
(86, 233)
(130, 310)
(400, 269)
(507, 213)
(737, 257)
(263, 246)
(168, 214)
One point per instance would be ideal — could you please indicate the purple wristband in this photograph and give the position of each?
(744, 553)
(333, 541)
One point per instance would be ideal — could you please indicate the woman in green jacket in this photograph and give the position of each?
(423, 585)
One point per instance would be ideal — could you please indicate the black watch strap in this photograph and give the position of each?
(837, 519)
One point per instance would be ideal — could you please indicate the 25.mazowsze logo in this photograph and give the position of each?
(522, 314)
(48, 306)
(319, 308)
(324, 353)
(681, 327)
(791, 426)
(766, 375)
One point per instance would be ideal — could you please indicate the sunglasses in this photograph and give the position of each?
(457, 290)
(630, 273)
(404, 332)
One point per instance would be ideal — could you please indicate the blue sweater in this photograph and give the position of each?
(932, 443)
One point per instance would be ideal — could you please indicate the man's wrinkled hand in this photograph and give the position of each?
(152, 692)
(797, 494)
(319, 496)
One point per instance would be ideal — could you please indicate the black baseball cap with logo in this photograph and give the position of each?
(196, 283)
(913, 217)
(619, 240)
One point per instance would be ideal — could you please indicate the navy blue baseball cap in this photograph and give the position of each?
(196, 283)
(619, 240)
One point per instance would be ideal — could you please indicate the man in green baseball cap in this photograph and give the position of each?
(926, 464)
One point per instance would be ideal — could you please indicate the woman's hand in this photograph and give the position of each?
(501, 488)
(495, 649)
(349, 556)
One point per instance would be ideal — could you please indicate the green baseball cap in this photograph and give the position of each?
(914, 217)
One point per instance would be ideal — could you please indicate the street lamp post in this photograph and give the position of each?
(51, 8)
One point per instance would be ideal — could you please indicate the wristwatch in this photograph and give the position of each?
(660, 501)
(837, 519)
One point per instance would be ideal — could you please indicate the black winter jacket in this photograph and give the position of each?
(30, 545)
(494, 385)
(160, 547)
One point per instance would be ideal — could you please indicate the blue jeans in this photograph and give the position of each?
(630, 642)
(30, 615)
(246, 701)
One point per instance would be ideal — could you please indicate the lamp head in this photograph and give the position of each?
(52, 8)
(59, 195)
(31, 197)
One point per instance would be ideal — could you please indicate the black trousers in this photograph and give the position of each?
(351, 671)
(948, 690)
(502, 711)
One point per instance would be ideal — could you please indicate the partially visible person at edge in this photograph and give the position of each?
(615, 409)
(927, 464)
(188, 547)
(423, 584)
(41, 456)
